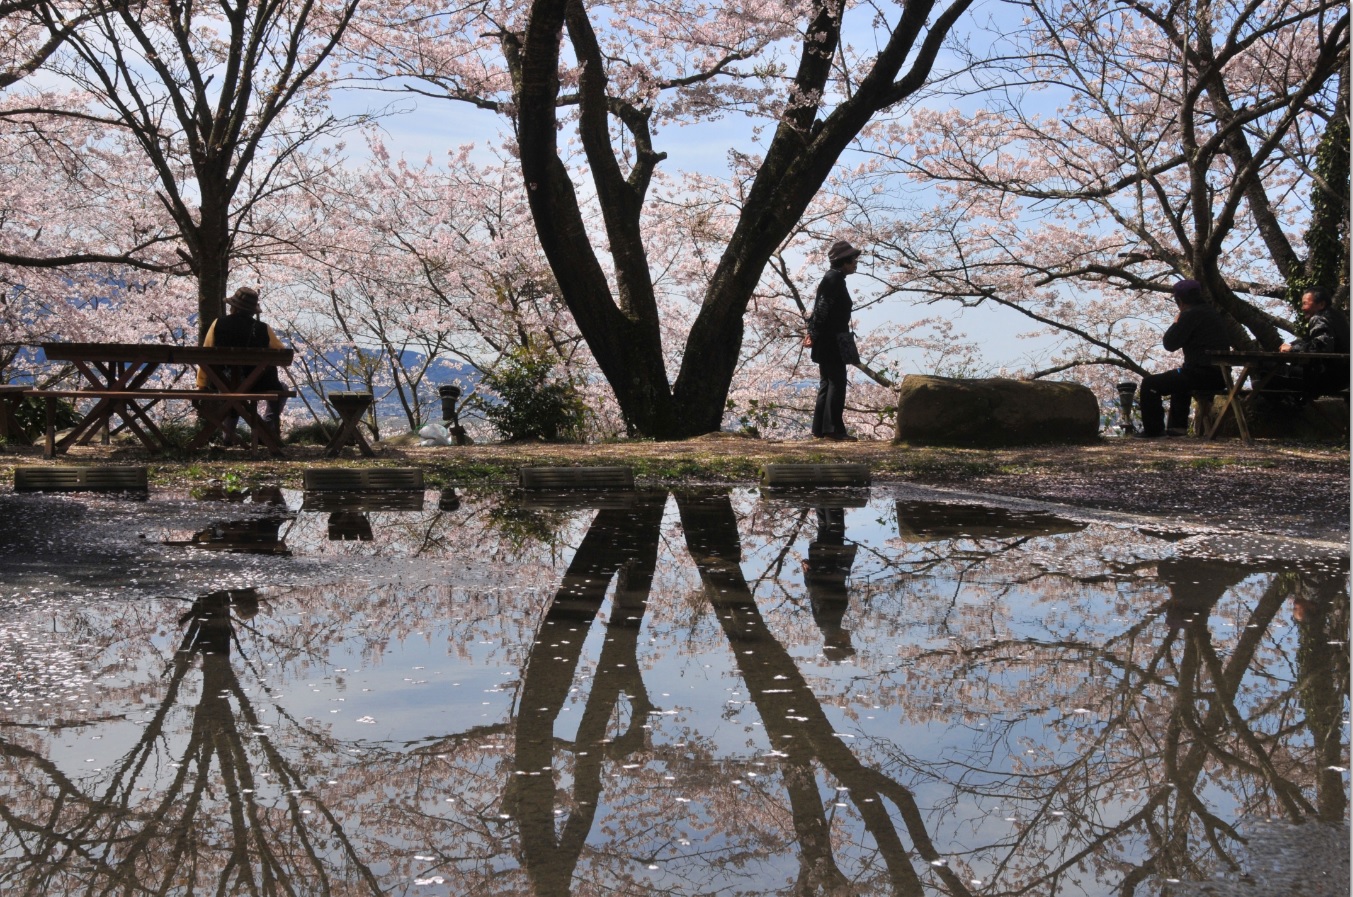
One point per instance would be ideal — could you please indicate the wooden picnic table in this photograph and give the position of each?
(116, 375)
(1259, 367)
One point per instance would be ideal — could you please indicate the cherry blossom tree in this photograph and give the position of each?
(85, 253)
(401, 276)
(1119, 146)
(217, 102)
(621, 73)
(31, 31)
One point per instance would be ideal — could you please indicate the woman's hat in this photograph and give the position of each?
(842, 251)
(245, 299)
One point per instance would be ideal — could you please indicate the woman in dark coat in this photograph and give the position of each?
(831, 319)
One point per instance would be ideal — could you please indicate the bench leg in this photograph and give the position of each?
(49, 449)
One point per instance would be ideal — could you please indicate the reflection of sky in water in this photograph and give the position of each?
(437, 707)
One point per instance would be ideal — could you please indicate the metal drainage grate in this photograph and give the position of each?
(552, 478)
(815, 475)
(369, 479)
(80, 479)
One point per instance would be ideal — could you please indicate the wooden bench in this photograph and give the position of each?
(362, 489)
(116, 376)
(1261, 367)
(132, 406)
(350, 407)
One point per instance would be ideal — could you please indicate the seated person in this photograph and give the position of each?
(1198, 329)
(1326, 331)
(241, 329)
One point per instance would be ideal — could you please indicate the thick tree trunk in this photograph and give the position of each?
(622, 328)
(211, 250)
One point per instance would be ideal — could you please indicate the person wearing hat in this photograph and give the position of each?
(829, 322)
(1198, 329)
(241, 329)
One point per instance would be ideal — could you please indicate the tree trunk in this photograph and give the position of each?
(623, 329)
(211, 245)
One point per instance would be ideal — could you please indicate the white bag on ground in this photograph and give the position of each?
(435, 434)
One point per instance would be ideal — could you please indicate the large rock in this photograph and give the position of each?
(994, 412)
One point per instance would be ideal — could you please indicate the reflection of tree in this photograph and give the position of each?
(1134, 794)
(1125, 706)
(1320, 609)
(622, 543)
(228, 817)
(795, 722)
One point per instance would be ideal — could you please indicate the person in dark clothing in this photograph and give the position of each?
(829, 320)
(1197, 330)
(241, 329)
(1326, 331)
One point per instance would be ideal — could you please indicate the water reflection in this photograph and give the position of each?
(252, 535)
(825, 570)
(690, 693)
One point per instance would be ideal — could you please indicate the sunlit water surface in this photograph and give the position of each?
(696, 692)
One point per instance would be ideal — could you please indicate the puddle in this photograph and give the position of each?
(696, 692)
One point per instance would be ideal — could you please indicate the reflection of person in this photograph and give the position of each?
(209, 620)
(242, 329)
(1196, 585)
(830, 320)
(349, 525)
(258, 535)
(1197, 330)
(1326, 331)
(824, 574)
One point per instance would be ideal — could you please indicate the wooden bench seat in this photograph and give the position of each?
(159, 394)
(132, 405)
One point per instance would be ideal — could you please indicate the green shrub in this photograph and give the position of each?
(316, 433)
(535, 402)
(32, 415)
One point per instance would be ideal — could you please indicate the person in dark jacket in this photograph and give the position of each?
(242, 329)
(1197, 330)
(1326, 331)
(830, 319)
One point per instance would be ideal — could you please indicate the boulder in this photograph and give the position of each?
(994, 412)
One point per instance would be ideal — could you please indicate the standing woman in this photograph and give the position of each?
(829, 323)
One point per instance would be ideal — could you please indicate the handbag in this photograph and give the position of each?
(845, 344)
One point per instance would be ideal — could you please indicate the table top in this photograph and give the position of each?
(161, 353)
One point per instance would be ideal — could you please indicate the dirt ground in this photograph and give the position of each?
(1271, 487)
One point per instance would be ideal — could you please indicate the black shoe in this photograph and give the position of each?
(1140, 435)
(1176, 432)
